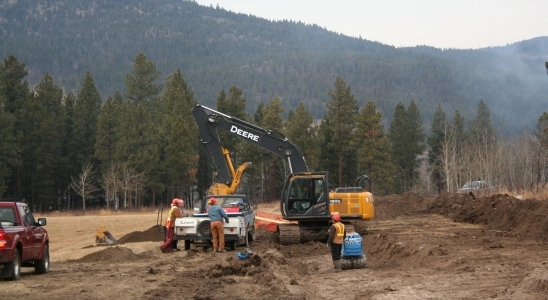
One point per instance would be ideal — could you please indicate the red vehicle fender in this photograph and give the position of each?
(45, 241)
(13, 246)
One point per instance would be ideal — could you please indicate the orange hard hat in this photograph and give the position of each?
(212, 201)
(336, 217)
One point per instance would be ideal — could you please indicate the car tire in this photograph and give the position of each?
(12, 270)
(251, 236)
(204, 228)
(41, 266)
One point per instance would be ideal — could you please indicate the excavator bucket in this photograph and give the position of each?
(104, 237)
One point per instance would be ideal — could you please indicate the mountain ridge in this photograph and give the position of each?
(216, 49)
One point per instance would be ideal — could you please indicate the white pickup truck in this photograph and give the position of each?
(240, 229)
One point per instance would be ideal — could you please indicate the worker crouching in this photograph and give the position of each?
(337, 233)
(216, 215)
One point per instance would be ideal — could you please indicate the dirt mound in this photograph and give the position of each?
(110, 254)
(153, 234)
(257, 270)
(499, 212)
(391, 206)
(535, 281)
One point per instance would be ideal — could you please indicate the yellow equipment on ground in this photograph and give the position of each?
(104, 237)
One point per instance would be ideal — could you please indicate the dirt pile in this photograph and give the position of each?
(110, 254)
(500, 212)
(153, 234)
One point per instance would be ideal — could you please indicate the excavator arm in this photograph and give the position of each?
(210, 120)
(223, 189)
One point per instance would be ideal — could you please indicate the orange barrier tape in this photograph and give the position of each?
(269, 221)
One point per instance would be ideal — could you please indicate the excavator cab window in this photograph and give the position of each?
(305, 194)
(299, 195)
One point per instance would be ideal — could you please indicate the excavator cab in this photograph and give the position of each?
(304, 196)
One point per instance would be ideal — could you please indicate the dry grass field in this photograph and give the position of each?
(72, 236)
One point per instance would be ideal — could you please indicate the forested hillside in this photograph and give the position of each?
(216, 49)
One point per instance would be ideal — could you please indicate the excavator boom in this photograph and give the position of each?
(209, 120)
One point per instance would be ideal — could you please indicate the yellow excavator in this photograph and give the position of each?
(303, 199)
(229, 188)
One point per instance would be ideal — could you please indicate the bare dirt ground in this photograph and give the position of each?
(417, 247)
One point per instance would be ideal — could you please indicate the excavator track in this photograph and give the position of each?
(289, 234)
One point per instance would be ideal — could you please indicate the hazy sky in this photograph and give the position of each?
(461, 24)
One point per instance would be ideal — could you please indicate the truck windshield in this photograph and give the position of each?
(228, 202)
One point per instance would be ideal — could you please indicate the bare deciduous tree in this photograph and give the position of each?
(83, 184)
(111, 182)
(130, 178)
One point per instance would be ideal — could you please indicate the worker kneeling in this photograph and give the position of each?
(337, 234)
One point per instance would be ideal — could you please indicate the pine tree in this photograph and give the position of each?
(106, 140)
(12, 85)
(541, 134)
(141, 144)
(401, 154)
(141, 82)
(15, 91)
(328, 158)
(203, 173)
(105, 147)
(417, 139)
(274, 171)
(341, 113)
(8, 149)
(69, 151)
(43, 143)
(302, 133)
(440, 127)
(86, 117)
(373, 149)
(457, 128)
(481, 141)
(235, 106)
(253, 183)
(481, 129)
(146, 154)
(181, 132)
(407, 139)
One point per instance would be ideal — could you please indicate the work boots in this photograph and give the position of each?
(337, 264)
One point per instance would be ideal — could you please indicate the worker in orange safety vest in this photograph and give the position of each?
(337, 234)
(174, 213)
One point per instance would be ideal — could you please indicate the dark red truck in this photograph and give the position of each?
(23, 241)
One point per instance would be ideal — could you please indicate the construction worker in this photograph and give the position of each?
(174, 212)
(216, 215)
(337, 233)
